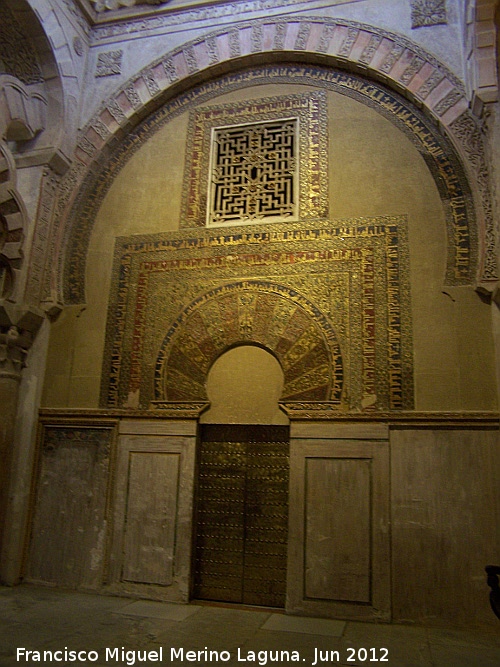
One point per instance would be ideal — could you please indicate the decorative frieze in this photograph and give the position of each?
(110, 5)
(68, 184)
(320, 410)
(43, 232)
(165, 20)
(466, 130)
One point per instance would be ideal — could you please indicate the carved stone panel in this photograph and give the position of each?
(253, 173)
(427, 12)
(285, 134)
(109, 63)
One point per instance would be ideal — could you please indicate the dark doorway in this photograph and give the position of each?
(242, 514)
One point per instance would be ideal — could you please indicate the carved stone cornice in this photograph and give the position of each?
(158, 410)
(180, 409)
(310, 411)
(327, 411)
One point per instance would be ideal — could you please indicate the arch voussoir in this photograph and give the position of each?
(386, 57)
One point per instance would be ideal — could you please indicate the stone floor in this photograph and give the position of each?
(41, 619)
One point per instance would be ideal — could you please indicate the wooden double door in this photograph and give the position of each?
(241, 526)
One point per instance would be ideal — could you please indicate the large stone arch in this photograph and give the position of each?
(379, 56)
(36, 83)
(36, 46)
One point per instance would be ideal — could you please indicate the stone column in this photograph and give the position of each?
(12, 355)
(18, 328)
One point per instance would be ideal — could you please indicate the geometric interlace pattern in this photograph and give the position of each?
(254, 172)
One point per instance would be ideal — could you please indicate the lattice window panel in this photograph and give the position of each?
(254, 173)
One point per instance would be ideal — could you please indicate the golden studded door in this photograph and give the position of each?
(242, 514)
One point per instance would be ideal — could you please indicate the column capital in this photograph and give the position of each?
(18, 329)
(12, 355)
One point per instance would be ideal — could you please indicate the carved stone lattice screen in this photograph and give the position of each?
(258, 160)
(253, 173)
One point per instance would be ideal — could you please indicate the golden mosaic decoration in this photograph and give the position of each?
(329, 300)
